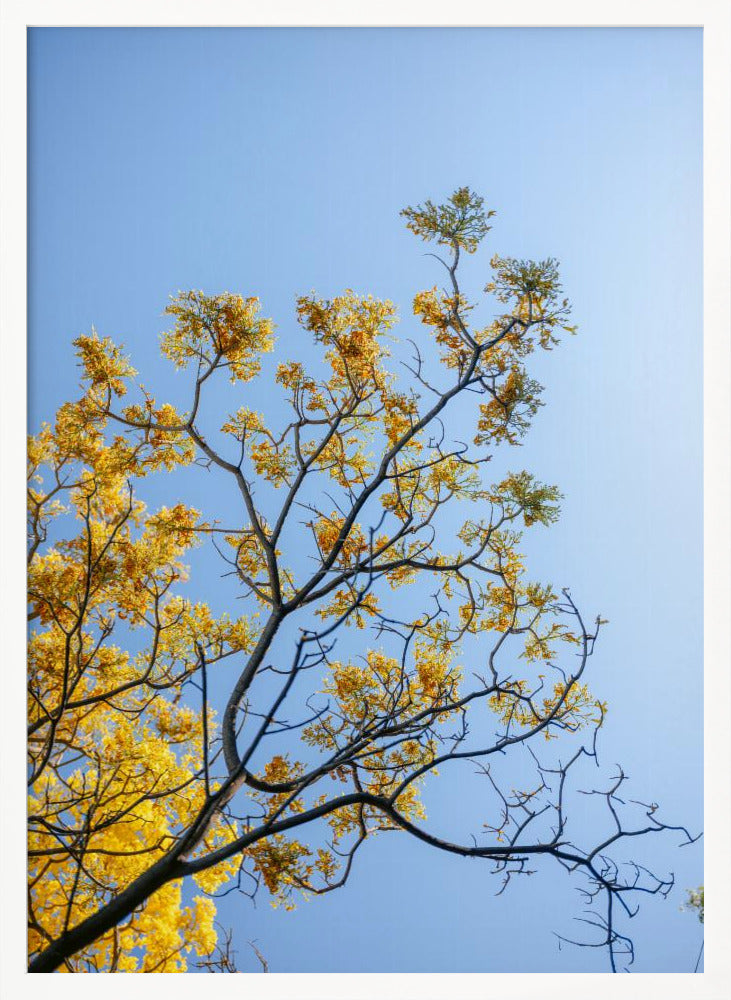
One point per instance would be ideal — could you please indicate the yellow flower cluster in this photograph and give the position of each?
(218, 326)
(571, 706)
(351, 327)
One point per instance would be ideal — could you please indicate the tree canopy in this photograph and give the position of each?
(383, 630)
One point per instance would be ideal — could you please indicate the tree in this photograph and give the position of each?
(346, 531)
(696, 901)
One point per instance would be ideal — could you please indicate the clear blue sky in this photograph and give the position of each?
(272, 162)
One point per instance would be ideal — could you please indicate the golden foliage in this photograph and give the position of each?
(120, 746)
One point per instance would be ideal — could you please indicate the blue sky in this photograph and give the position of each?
(272, 162)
